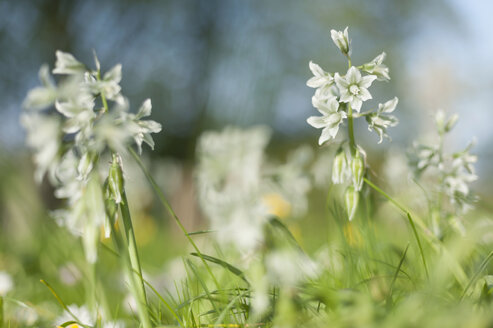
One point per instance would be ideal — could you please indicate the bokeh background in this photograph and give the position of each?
(208, 64)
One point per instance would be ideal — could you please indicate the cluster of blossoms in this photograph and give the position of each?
(70, 126)
(454, 172)
(239, 189)
(339, 98)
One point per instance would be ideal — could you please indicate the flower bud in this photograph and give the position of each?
(351, 198)
(115, 180)
(341, 40)
(339, 168)
(358, 170)
(85, 166)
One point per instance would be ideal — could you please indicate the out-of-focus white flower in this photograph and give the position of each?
(443, 125)
(376, 67)
(26, 315)
(290, 182)
(379, 121)
(229, 181)
(289, 267)
(82, 313)
(6, 283)
(43, 136)
(69, 274)
(130, 304)
(354, 87)
(67, 64)
(329, 121)
(43, 96)
(109, 85)
(341, 40)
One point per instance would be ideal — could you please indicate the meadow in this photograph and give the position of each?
(325, 234)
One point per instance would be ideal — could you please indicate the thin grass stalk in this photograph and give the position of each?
(135, 269)
(165, 203)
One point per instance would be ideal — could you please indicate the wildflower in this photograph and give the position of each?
(329, 121)
(321, 80)
(141, 129)
(67, 64)
(444, 126)
(289, 267)
(68, 142)
(6, 283)
(82, 313)
(44, 96)
(229, 183)
(43, 136)
(379, 122)
(377, 68)
(354, 88)
(341, 40)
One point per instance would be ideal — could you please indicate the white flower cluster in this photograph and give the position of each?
(69, 140)
(239, 189)
(337, 96)
(454, 171)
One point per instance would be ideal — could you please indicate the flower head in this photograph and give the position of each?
(376, 67)
(321, 80)
(329, 121)
(379, 121)
(341, 40)
(354, 87)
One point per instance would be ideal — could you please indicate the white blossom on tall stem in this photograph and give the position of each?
(354, 87)
(329, 121)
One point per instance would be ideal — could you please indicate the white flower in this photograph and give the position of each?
(376, 67)
(290, 267)
(82, 313)
(43, 136)
(67, 64)
(341, 40)
(444, 126)
(321, 80)
(380, 123)
(354, 88)
(329, 121)
(44, 96)
(141, 129)
(6, 283)
(109, 86)
(229, 181)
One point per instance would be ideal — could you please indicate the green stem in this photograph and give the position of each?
(352, 142)
(172, 213)
(1, 313)
(410, 219)
(135, 276)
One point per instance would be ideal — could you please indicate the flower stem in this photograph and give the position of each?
(352, 142)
